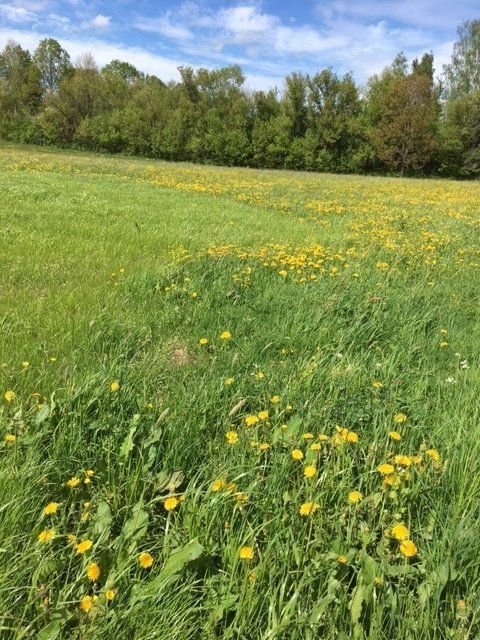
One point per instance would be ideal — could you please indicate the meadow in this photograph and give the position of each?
(236, 404)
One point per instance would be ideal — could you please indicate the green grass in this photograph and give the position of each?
(99, 261)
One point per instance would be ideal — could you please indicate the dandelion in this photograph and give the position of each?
(352, 437)
(394, 435)
(89, 473)
(297, 454)
(83, 547)
(218, 485)
(282, 273)
(400, 532)
(275, 399)
(232, 437)
(110, 595)
(308, 436)
(443, 332)
(228, 382)
(260, 375)
(315, 447)
(308, 508)
(264, 446)
(114, 387)
(46, 536)
(73, 483)
(342, 560)
(9, 396)
(241, 498)
(251, 421)
(386, 469)
(246, 553)
(50, 509)
(310, 472)
(25, 364)
(322, 438)
(93, 572)
(171, 503)
(225, 335)
(86, 603)
(402, 461)
(145, 560)
(203, 341)
(399, 418)
(10, 439)
(443, 345)
(354, 497)
(408, 548)
(52, 360)
(377, 385)
(263, 415)
(433, 455)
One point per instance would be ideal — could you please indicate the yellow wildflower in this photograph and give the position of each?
(114, 387)
(86, 603)
(386, 469)
(73, 482)
(225, 335)
(10, 439)
(408, 548)
(394, 435)
(218, 485)
(377, 385)
(354, 497)
(171, 503)
(400, 532)
(433, 455)
(260, 375)
(263, 415)
(275, 399)
(203, 341)
(443, 345)
(297, 454)
(310, 471)
(25, 364)
(399, 418)
(110, 595)
(9, 396)
(246, 553)
(315, 447)
(46, 536)
(308, 508)
(50, 509)
(308, 436)
(83, 547)
(342, 560)
(251, 421)
(93, 572)
(402, 461)
(145, 560)
(264, 446)
(232, 437)
(228, 382)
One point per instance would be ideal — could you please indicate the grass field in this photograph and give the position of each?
(236, 404)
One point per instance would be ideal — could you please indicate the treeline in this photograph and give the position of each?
(404, 121)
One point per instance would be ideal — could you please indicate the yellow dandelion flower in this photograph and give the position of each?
(315, 447)
(225, 335)
(50, 509)
(297, 454)
(241, 498)
(171, 503)
(93, 572)
(399, 418)
(377, 385)
(310, 471)
(203, 341)
(417, 459)
(246, 553)
(433, 455)
(260, 375)
(275, 399)
(308, 436)
(52, 360)
(110, 595)
(322, 438)
(342, 560)
(408, 548)
(352, 437)
(232, 437)
(443, 345)
(25, 364)
(228, 382)
(263, 415)
(73, 482)
(402, 461)
(145, 560)
(308, 508)
(83, 547)
(218, 485)
(71, 538)
(282, 273)
(89, 473)
(355, 497)
(251, 421)
(400, 532)
(114, 387)
(443, 332)
(46, 536)
(264, 446)
(86, 603)
(394, 435)
(9, 396)
(10, 439)
(386, 469)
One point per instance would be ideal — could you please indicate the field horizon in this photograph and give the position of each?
(236, 403)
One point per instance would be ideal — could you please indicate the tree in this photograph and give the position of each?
(124, 70)
(295, 103)
(52, 62)
(405, 135)
(462, 75)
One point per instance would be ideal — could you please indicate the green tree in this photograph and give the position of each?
(52, 62)
(462, 75)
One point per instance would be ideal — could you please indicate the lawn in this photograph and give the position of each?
(236, 404)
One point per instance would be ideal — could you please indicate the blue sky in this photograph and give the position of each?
(268, 38)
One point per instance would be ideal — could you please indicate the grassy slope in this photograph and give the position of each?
(71, 220)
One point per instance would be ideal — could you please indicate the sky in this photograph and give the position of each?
(268, 38)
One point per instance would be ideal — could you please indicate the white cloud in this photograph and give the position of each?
(16, 14)
(164, 27)
(100, 22)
